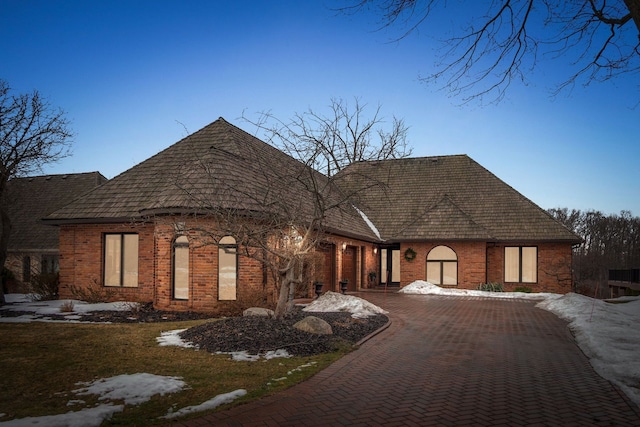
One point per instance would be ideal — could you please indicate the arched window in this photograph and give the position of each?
(227, 268)
(181, 268)
(442, 266)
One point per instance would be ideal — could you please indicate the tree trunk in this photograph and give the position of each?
(5, 229)
(287, 280)
(634, 9)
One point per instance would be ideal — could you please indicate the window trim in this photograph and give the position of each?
(520, 276)
(122, 260)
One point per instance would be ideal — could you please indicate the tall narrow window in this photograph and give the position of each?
(26, 269)
(181, 268)
(227, 268)
(521, 264)
(395, 265)
(383, 266)
(442, 266)
(121, 260)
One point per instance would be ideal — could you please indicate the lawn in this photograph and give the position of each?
(43, 363)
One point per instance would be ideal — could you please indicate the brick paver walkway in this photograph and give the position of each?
(448, 361)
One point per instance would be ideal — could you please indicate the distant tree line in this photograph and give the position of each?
(609, 242)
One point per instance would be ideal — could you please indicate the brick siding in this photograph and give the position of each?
(479, 262)
(81, 265)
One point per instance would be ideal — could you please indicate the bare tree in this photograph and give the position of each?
(332, 141)
(599, 39)
(279, 208)
(32, 134)
(609, 242)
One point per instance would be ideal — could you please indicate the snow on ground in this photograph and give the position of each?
(607, 332)
(167, 338)
(220, 399)
(332, 301)
(40, 310)
(425, 288)
(133, 389)
(173, 338)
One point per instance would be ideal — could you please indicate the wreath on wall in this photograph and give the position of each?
(410, 254)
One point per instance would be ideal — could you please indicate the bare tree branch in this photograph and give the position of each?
(32, 134)
(600, 39)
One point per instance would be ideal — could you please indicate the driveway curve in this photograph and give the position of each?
(449, 361)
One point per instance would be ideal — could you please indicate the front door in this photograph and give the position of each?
(325, 269)
(349, 257)
(390, 266)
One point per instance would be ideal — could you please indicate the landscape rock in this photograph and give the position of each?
(314, 325)
(258, 311)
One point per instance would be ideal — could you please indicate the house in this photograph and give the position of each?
(451, 222)
(33, 246)
(148, 234)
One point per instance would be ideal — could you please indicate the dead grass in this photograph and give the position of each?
(43, 362)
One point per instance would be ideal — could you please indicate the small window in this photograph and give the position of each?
(181, 268)
(227, 268)
(49, 264)
(121, 260)
(521, 264)
(442, 266)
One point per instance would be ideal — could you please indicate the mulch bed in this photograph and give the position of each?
(254, 334)
(257, 335)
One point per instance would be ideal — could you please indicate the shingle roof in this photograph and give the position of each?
(434, 198)
(32, 198)
(449, 198)
(218, 166)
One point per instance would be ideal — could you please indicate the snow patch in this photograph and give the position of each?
(213, 403)
(420, 287)
(332, 301)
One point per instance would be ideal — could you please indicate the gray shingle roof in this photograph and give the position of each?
(219, 166)
(32, 198)
(434, 198)
(450, 198)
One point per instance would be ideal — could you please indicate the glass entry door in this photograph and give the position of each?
(390, 266)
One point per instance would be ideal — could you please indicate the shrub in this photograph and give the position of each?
(491, 287)
(67, 307)
(93, 294)
(524, 289)
(44, 287)
(6, 276)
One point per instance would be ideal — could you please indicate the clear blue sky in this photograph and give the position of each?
(129, 72)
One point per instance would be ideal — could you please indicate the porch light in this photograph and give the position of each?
(344, 246)
(375, 250)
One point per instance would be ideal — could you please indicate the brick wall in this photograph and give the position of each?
(479, 262)
(471, 262)
(554, 268)
(81, 260)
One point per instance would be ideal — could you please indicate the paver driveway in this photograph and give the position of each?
(450, 361)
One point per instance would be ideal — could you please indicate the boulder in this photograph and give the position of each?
(258, 311)
(314, 325)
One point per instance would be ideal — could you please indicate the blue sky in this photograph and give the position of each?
(130, 73)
